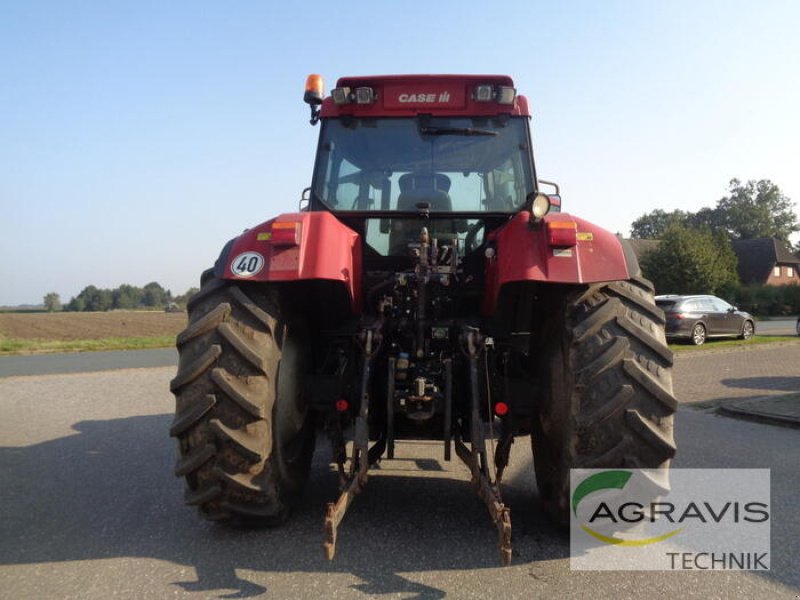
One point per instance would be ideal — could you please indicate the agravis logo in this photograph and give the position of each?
(611, 480)
(679, 519)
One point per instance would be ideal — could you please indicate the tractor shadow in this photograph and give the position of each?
(784, 384)
(108, 491)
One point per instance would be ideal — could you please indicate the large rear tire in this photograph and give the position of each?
(244, 432)
(606, 397)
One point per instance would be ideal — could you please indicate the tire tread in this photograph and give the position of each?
(225, 390)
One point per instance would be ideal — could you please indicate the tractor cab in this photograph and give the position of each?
(396, 154)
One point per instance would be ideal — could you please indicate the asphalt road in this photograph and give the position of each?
(777, 327)
(89, 509)
(715, 376)
(78, 362)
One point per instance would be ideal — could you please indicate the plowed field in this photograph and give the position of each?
(61, 327)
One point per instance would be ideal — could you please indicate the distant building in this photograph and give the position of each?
(762, 261)
(766, 261)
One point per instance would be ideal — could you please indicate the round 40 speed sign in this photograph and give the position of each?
(247, 264)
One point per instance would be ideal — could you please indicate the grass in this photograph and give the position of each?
(734, 343)
(14, 346)
(88, 332)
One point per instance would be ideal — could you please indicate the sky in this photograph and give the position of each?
(136, 138)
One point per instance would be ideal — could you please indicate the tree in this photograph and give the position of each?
(52, 302)
(708, 218)
(127, 297)
(75, 304)
(691, 261)
(756, 209)
(92, 299)
(651, 226)
(155, 295)
(184, 298)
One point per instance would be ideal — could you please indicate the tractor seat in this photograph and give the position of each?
(432, 189)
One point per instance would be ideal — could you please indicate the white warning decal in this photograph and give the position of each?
(247, 264)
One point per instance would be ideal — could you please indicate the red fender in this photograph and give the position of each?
(296, 247)
(548, 251)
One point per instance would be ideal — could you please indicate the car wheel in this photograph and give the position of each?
(747, 330)
(699, 334)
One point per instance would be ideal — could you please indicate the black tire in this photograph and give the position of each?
(606, 396)
(244, 433)
(699, 335)
(748, 329)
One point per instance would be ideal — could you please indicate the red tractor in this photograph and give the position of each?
(427, 289)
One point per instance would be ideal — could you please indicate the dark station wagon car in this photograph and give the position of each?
(697, 318)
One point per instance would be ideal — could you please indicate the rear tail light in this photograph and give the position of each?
(285, 233)
(562, 234)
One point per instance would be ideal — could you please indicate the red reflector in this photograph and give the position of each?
(285, 234)
(501, 409)
(342, 405)
(562, 233)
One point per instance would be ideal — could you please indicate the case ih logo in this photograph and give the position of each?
(432, 95)
(444, 97)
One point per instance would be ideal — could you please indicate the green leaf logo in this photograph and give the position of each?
(605, 481)
(599, 481)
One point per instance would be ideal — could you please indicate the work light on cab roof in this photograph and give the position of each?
(500, 94)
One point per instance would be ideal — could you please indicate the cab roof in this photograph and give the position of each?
(412, 95)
